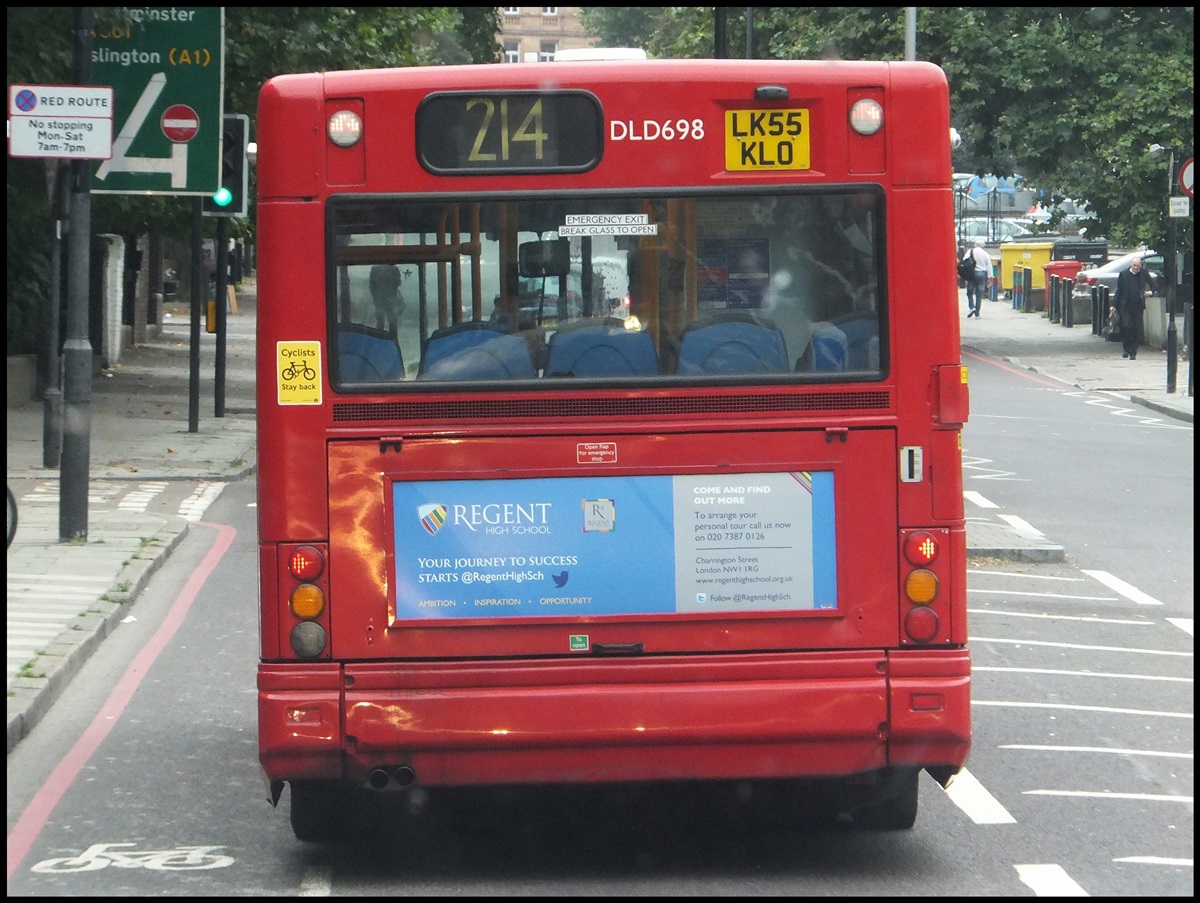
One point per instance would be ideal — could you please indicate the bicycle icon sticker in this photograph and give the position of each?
(102, 855)
(297, 370)
(299, 367)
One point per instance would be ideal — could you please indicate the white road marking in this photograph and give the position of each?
(193, 507)
(1049, 881)
(1127, 590)
(316, 882)
(1022, 526)
(1032, 614)
(1154, 860)
(1009, 592)
(1098, 749)
(1185, 680)
(1080, 708)
(1184, 624)
(1110, 795)
(981, 807)
(1126, 649)
(976, 498)
(978, 571)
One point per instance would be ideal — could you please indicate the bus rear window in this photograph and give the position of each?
(584, 290)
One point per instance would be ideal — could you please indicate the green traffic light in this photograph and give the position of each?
(223, 197)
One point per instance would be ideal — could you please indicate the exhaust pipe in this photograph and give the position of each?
(390, 778)
(405, 776)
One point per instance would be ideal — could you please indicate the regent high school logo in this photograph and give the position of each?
(432, 517)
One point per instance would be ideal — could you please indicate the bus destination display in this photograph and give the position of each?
(509, 132)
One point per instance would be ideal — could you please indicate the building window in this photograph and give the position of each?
(512, 10)
(546, 52)
(512, 51)
(549, 10)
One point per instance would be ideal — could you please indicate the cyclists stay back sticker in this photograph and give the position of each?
(299, 367)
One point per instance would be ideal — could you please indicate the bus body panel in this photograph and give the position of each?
(363, 569)
(761, 716)
(398, 696)
(635, 153)
(291, 308)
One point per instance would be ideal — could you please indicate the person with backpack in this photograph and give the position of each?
(973, 268)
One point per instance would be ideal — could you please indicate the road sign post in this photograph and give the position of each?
(166, 66)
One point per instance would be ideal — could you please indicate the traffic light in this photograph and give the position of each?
(230, 197)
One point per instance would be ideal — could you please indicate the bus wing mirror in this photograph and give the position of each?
(551, 257)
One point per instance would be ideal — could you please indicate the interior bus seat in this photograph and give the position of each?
(732, 342)
(368, 355)
(849, 342)
(475, 350)
(600, 348)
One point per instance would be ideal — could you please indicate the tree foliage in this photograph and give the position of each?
(1069, 98)
(259, 42)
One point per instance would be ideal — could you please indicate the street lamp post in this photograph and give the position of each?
(1169, 266)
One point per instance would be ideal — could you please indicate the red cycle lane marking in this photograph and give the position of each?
(1025, 373)
(34, 818)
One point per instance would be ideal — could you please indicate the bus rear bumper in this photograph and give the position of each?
(653, 718)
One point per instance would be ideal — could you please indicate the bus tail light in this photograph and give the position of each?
(306, 585)
(921, 585)
(306, 563)
(345, 128)
(922, 624)
(866, 116)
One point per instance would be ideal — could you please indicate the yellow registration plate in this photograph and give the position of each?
(766, 140)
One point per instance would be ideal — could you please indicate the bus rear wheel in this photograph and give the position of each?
(898, 810)
(318, 811)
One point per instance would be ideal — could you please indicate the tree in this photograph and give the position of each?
(259, 42)
(1070, 98)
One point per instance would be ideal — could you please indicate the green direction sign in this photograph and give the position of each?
(166, 66)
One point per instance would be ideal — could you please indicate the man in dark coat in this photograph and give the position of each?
(1129, 301)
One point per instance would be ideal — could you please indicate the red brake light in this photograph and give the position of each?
(306, 563)
(920, 548)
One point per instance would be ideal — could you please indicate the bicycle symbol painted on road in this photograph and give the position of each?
(102, 855)
(298, 369)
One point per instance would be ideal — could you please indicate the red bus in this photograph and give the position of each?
(609, 430)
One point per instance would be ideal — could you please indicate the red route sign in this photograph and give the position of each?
(180, 123)
(1186, 177)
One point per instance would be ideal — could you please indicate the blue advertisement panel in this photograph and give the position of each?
(615, 545)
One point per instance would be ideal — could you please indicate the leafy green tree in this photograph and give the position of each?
(259, 42)
(1069, 98)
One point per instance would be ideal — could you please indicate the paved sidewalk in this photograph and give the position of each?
(150, 478)
(64, 598)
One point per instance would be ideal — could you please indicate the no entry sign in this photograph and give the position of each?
(180, 123)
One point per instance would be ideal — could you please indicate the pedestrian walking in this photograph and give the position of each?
(1129, 303)
(977, 281)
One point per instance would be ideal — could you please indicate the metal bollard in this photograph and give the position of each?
(1097, 320)
(1068, 294)
(1027, 290)
(1052, 300)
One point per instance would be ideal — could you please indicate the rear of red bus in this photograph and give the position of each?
(650, 470)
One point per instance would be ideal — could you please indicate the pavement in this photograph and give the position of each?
(151, 476)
